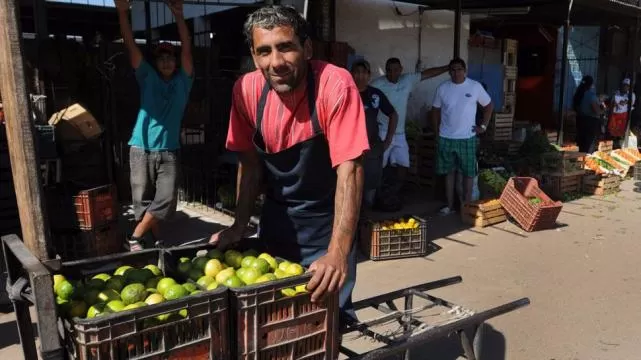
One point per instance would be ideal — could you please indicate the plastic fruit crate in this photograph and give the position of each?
(96, 207)
(379, 244)
(138, 334)
(531, 217)
(82, 244)
(637, 171)
(268, 324)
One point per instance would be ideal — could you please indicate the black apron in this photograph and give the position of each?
(298, 214)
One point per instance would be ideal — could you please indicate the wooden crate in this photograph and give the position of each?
(605, 146)
(510, 51)
(563, 163)
(509, 102)
(501, 129)
(422, 170)
(510, 72)
(483, 213)
(557, 185)
(594, 184)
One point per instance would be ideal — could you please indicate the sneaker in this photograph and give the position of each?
(135, 244)
(446, 211)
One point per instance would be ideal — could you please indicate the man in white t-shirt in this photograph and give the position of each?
(454, 115)
(397, 88)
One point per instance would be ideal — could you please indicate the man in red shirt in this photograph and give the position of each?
(299, 128)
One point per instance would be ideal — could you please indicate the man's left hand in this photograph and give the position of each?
(330, 272)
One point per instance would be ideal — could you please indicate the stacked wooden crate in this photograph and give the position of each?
(422, 150)
(601, 184)
(503, 124)
(605, 146)
(563, 172)
(483, 213)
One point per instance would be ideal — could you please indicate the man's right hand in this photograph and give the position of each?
(227, 237)
(122, 5)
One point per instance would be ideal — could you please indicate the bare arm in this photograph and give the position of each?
(349, 187)
(391, 128)
(432, 72)
(436, 119)
(487, 113)
(249, 180)
(135, 55)
(176, 8)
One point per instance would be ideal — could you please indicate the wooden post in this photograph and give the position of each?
(20, 133)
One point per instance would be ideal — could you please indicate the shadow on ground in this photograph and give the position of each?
(9, 331)
(492, 346)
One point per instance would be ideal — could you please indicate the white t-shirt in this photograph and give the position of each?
(621, 102)
(458, 103)
(397, 93)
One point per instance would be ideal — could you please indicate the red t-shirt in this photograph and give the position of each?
(286, 119)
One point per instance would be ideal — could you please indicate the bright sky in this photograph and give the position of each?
(108, 3)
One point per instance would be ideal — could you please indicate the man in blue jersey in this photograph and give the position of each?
(164, 92)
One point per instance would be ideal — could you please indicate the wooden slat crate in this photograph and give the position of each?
(509, 102)
(422, 150)
(594, 184)
(510, 72)
(510, 50)
(501, 127)
(605, 146)
(563, 163)
(483, 213)
(558, 185)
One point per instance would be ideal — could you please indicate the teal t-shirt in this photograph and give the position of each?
(162, 105)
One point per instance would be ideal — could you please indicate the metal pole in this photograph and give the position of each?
(635, 60)
(457, 28)
(564, 76)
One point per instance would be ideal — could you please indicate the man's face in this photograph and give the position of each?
(457, 73)
(361, 76)
(625, 88)
(166, 64)
(281, 57)
(393, 72)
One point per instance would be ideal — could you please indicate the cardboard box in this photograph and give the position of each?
(75, 123)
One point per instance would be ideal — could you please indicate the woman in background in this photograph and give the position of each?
(588, 110)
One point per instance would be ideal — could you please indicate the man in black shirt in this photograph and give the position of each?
(373, 101)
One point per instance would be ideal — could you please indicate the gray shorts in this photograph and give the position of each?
(154, 182)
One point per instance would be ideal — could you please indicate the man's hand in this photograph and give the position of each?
(478, 129)
(122, 5)
(176, 7)
(227, 237)
(386, 144)
(330, 272)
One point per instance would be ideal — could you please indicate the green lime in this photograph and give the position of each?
(133, 293)
(261, 265)
(154, 269)
(190, 287)
(216, 254)
(175, 291)
(247, 261)
(65, 290)
(164, 284)
(122, 271)
(117, 282)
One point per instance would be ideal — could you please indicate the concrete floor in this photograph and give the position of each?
(583, 280)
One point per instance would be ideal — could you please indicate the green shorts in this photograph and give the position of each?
(457, 154)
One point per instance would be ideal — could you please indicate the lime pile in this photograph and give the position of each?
(126, 289)
(235, 269)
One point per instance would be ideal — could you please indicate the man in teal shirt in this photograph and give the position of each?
(164, 92)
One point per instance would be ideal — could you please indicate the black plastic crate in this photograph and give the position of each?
(379, 243)
(266, 323)
(637, 171)
(73, 244)
(201, 335)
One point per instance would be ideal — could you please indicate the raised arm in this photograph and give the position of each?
(176, 7)
(432, 72)
(135, 55)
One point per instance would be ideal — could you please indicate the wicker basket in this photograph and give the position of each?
(531, 217)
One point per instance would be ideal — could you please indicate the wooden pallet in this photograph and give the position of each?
(601, 184)
(509, 103)
(483, 213)
(605, 146)
(510, 72)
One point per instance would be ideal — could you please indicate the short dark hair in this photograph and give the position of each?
(361, 63)
(391, 61)
(457, 61)
(271, 16)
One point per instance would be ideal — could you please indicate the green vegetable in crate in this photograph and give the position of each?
(116, 306)
(77, 308)
(164, 284)
(154, 269)
(65, 290)
(138, 276)
(175, 292)
(234, 282)
(190, 287)
(154, 299)
(216, 254)
(535, 200)
(234, 258)
(116, 283)
(213, 267)
(122, 271)
(493, 180)
(108, 295)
